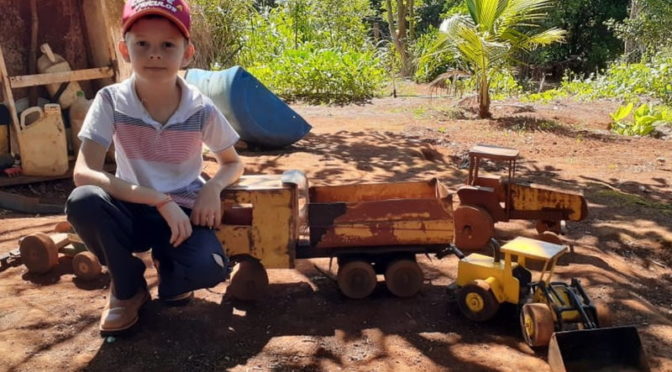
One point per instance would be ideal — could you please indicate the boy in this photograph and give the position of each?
(156, 199)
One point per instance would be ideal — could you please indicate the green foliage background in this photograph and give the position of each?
(590, 44)
(649, 30)
(325, 51)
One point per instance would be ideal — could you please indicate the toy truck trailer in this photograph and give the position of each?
(377, 228)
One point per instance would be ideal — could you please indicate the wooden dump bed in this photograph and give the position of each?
(380, 214)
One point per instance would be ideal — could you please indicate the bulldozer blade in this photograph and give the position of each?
(597, 350)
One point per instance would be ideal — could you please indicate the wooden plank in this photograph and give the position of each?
(25, 204)
(60, 77)
(9, 98)
(373, 191)
(98, 37)
(440, 231)
(24, 180)
(372, 212)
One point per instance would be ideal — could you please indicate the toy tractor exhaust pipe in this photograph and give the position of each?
(598, 349)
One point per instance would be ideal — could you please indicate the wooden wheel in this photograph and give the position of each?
(63, 227)
(403, 278)
(356, 279)
(536, 322)
(477, 302)
(86, 265)
(552, 226)
(39, 253)
(473, 227)
(249, 280)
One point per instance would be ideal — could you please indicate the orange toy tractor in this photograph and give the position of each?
(487, 199)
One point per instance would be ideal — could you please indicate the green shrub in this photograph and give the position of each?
(644, 119)
(323, 75)
(218, 27)
(626, 81)
(314, 50)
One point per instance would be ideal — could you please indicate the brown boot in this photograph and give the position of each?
(120, 315)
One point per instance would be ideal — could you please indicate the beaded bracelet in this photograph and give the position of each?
(163, 202)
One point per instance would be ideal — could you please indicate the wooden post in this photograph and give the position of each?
(9, 97)
(32, 56)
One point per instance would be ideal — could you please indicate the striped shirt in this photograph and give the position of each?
(167, 158)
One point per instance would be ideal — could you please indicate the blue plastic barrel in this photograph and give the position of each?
(258, 115)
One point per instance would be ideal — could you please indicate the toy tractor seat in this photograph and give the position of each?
(484, 197)
(494, 182)
(524, 277)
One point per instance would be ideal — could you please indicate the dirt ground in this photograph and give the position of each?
(622, 254)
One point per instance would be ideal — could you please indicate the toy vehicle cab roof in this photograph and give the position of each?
(494, 152)
(532, 248)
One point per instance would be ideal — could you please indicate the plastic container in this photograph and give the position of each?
(256, 113)
(51, 62)
(42, 142)
(77, 113)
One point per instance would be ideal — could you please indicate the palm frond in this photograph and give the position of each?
(520, 11)
(479, 51)
(442, 46)
(519, 40)
(544, 38)
(486, 12)
(450, 25)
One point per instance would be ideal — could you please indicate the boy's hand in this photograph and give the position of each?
(177, 220)
(207, 210)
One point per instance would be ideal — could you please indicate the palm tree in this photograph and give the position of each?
(491, 35)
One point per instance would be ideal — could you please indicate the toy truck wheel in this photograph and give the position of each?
(403, 278)
(86, 265)
(473, 227)
(477, 302)
(39, 253)
(356, 279)
(249, 280)
(536, 322)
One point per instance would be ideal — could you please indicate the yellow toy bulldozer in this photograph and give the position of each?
(556, 314)
(487, 199)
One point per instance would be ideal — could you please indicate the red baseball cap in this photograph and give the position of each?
(176, 11)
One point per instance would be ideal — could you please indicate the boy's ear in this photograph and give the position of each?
(123, 49)
(189, 52)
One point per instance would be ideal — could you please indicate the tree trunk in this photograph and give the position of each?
(631, 48)
(484, 99)
(411, 20)
(398, 33)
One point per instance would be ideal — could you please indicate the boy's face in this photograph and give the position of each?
(156, 49)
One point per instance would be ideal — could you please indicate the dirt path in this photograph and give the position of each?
(623, 254)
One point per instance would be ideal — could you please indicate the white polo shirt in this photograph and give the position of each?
(167, 158)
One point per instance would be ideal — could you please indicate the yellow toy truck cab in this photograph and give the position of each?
(485, 282)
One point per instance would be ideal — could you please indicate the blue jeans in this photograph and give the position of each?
(114, 229)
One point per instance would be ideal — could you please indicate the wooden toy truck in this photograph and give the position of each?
(376, 228)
